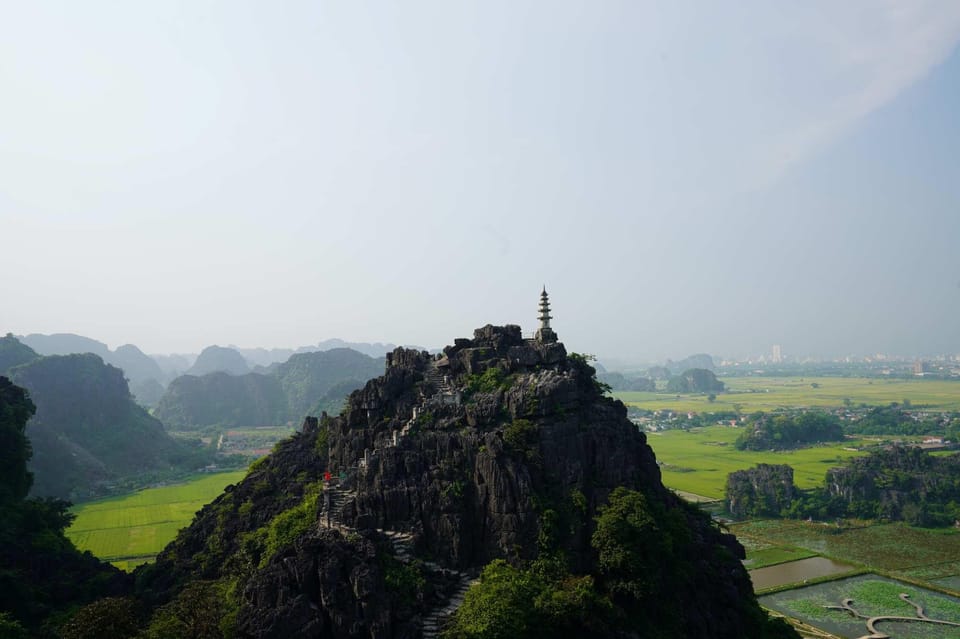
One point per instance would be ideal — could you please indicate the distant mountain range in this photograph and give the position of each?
(88, 432)
(307, 383)
(137, 365)
(149, 375)
(265, 357)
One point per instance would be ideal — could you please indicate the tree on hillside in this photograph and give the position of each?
(13, 353)
(777, 432)
(41, 573)
(15, 409)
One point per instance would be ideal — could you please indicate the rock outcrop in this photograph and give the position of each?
(435, 469)
(765, 490)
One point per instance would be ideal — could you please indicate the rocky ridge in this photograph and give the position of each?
(435, 469)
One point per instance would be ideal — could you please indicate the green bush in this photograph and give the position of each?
(10, 628)
(114, 617)
(490, 381)
(197, 613)
(403, 580)
(290, 524)
(521, 436)
(260, 545)
(542, 600)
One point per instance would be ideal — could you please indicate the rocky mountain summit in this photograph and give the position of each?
(401, 517)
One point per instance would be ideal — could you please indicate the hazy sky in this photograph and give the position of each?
(683, 176)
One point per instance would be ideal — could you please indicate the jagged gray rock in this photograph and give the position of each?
(441, 465)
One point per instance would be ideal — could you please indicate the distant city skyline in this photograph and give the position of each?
(712, 177)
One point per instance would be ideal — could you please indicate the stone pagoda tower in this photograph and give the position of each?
(545, 334)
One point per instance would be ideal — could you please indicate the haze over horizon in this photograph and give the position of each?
(682, 178)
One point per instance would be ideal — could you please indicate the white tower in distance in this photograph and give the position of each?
(776, 354)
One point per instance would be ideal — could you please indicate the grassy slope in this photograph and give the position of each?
(131, 529)
(769, 393)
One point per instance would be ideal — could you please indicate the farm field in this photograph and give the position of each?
(131, 529)
(762, 553)
(873, 596)
(753, 394)
(698, 460)
(919, 554)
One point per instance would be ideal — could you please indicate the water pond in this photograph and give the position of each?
(871, 606)
(796, 572)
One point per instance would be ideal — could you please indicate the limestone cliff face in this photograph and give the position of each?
(466, 489)
(447, 462)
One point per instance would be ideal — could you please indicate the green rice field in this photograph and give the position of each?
(762, 553)
(131, 529)
(920, 554)
(698, 460)
(752, 394)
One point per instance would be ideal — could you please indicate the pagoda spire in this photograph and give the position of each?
(545, 334)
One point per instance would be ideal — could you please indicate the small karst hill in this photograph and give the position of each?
(219, 359)
(492, 490)
(141, 370)
(306, 382)
(14, 353)
(88, 432)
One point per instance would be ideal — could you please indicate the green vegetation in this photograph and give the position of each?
(202, 610)
(896, 420)
(307, 383)
(778, 432)
(751, 394)
(872, 596)
(698, 461)
(132, 529)
(774, 555)
(896, 549)
(402, 580)
(328, 375)
(644, 551)
(766, 490)
(14, 353)
(899, 483)
(696, 380)
(542, 600)
(222, 400)
(521, 437)
(89, 434)
(490, 381)
(115, 617)
(285, 527)
(41, 573)
(893, 484)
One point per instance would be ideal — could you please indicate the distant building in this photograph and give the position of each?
(776, 354)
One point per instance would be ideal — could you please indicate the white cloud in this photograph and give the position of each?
(870, 52)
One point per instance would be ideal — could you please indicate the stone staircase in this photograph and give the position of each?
(436, 617)
(342, 491)
(331, 516)
(437, 379)
(402, 544)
